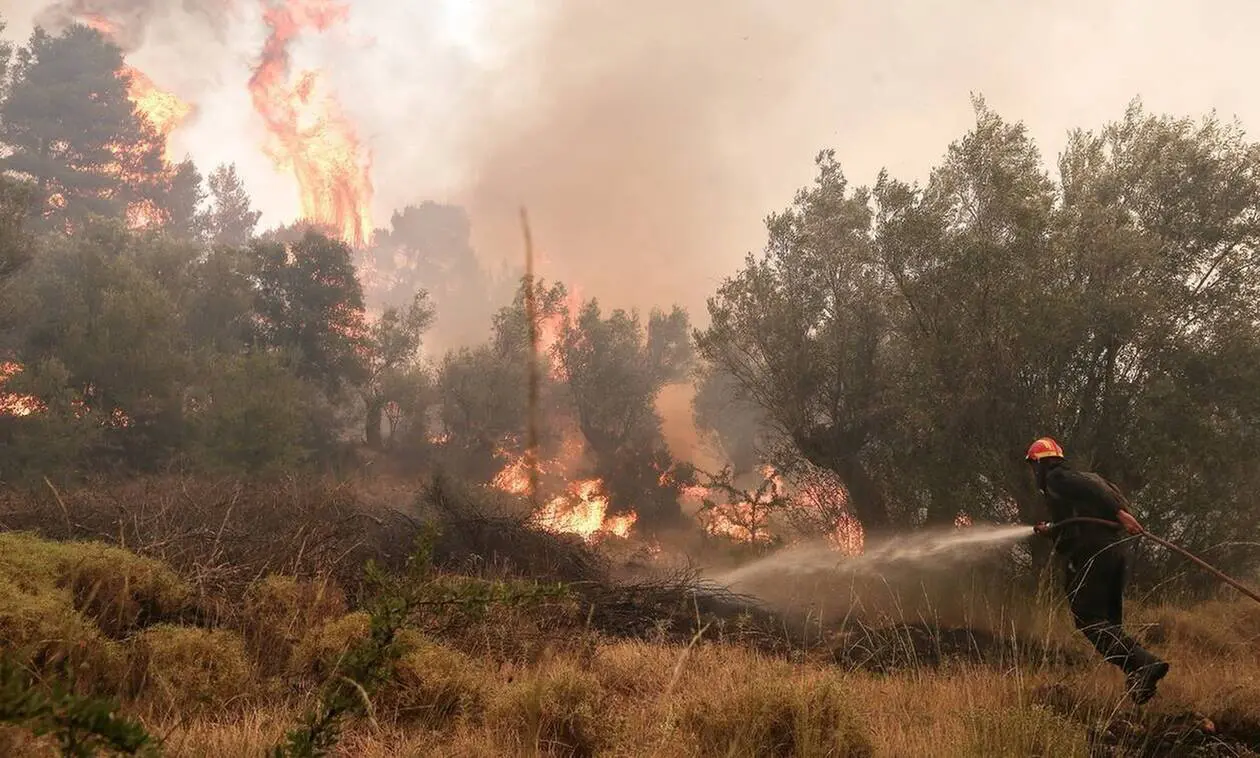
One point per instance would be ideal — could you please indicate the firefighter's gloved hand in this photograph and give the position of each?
(1042, 529)
(1129, 523)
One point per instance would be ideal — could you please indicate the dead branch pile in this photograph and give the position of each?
(477, 537)
(222, 534)
(481, 537)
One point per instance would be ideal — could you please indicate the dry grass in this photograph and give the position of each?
(636, 699)
(461, 689)
(188, 671)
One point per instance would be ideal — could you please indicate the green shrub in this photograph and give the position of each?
(255, 414)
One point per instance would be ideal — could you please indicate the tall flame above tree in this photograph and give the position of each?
(309, 135)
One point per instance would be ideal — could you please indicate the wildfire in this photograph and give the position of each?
(143, 215)
(164, 110)
(309, 135)
(14, 403)
(848, 536)
(99, 23)
(747, 517)
(581, 508)
(741, 522)
(551, 330)
(514, 478)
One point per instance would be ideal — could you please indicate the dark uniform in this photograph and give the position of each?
(1096, 565)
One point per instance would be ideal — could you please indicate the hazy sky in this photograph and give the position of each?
(649, 139)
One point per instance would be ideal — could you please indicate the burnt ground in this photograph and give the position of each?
(894, 647)
(1134, 732)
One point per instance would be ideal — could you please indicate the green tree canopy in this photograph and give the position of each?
(310, 302)
(231, 220)
(69, 125)
(393, 346)
(913, 339)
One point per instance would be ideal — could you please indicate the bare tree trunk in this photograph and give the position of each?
(372, 428)
(865, 495)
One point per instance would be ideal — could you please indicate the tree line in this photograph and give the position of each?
(188, 339)
(913, 339)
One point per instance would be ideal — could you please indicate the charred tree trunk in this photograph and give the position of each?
(372, 427)
(865, 495)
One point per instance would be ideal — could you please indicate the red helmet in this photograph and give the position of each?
(1044, 448)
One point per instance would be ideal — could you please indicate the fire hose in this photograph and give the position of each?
(1175, 548)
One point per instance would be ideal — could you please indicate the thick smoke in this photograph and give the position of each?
(629, 131)
(631, 137)
(128, 21)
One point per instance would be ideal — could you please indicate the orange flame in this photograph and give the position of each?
(514, 478)
(143, 215)
(309, 135)
(164, 110)
(848, 536)
(583, 511)
(14, 403)
(741, 522)
(749, 520)
(580, 509)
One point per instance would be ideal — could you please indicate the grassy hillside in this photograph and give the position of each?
(494, 661)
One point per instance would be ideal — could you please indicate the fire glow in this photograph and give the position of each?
(581, 509)
(13, 403)
(164, 110)
(309, 135)
(748, 520)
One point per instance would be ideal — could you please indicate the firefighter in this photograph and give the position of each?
(1095, 559)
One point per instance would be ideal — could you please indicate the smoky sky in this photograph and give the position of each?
(132, 19)
(649, 140)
